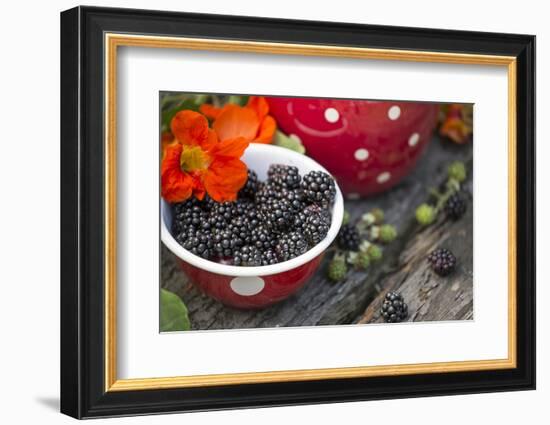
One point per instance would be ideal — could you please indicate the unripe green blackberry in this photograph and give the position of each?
(457, 171)
(387, 233)
(425, 214)
(374, 252)
(362, 261)
(345, 218)
(374, 216)
(337, 269)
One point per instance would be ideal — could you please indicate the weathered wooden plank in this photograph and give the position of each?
(429, 296)
(321, 302)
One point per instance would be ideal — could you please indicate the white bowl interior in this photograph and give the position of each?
(259, 157)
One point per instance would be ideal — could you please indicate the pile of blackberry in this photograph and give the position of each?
(270, 222)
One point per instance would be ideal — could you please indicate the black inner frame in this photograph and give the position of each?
(82, 211)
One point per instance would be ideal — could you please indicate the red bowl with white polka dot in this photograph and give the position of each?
(369, 146)
(255, 287)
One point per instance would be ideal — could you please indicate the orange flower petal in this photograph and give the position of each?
(166, 138)
(224, 178)
(176, 186)
(171, 158)
(456, 130)
(259, 104)
(211, 141)
(235, 121)
(267, 130)
(198, 189)
(210, 110)
(190, 127)
(230, 148)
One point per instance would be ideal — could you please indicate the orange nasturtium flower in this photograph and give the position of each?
(456, 124)
(251, 121)
(199, 162)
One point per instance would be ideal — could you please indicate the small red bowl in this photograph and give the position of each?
(255, 287)
(368, 146)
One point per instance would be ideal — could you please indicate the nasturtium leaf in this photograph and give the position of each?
(173, 313)
(291, 143)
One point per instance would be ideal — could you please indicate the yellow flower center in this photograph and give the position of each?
(193, 158)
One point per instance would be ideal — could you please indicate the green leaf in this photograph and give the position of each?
(173, 313)
(292, 143)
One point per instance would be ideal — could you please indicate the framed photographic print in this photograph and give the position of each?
(262, 212)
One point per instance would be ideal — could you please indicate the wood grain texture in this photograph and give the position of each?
(357, 299)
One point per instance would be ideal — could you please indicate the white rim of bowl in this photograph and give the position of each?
(227, 270)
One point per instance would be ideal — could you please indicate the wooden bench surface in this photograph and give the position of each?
(403, 268)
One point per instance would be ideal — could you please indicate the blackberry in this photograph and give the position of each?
(290, 245)
(316, 228)
(224, 243)
(247, 256)
(316, 209)
(295, 197)
(250, 187)
(394, 309)
(240, 231)
(299, 222)
(455, 207)
(442, 261)
(284, 176)
(262, 238)
(198, 243)
(269, 257)
(220, 215)
(348, 238)
(266, 193)
(319, 188)
(186, 214)
(277, 214)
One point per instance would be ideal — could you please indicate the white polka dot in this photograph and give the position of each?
(394, 112)
(413, 140)
(332, 115)
(353, 196)
(361, 154)
(383, 177)
(247, 286)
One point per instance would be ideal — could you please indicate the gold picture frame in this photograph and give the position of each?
(114, 41)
